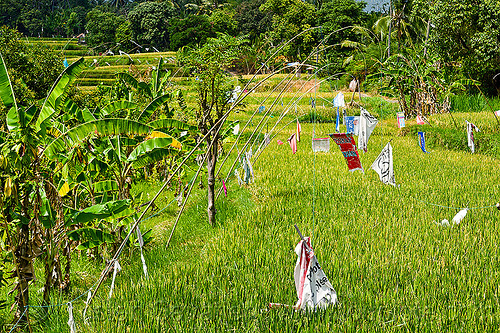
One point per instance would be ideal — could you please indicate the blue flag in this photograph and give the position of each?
(337, 123)
(65, 63)
(262, 108)
(421, 141)
(349, 123)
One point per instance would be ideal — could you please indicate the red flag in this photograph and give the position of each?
(299, 129)
(293, 143)
(347, 146)
(224, 187)
(280, 142)
(420, 121)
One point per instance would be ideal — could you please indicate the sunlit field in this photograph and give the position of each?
(393, 267)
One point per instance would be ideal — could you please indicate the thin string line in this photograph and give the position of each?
(13, 328)
(441, 206)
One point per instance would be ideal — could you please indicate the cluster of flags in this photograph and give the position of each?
(383, 164)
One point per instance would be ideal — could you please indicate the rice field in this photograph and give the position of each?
(393, 267)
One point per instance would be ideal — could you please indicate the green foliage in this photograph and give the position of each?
(102, 28)
(223, 21)
(333, 16)
(191, 31)
(464, 34)
(291, 17)
(251, 21)
(32, 69)
(148, 23)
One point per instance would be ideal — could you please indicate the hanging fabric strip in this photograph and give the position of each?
(339, 101)
(293, 143)
(347, 146)
(224, 187)
(400, 116)
(314, 290)
(470, 135)
(367, 123)
(141, 244)
(299, 129)
(421, 141)
(116, 270)
(384, 166)
(71, 320)
(420, 121)
(237, 174)
(337, 122)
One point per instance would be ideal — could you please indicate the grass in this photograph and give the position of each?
(393, 268)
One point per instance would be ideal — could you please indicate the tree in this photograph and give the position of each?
(149, 23)
(291, 17)
(251, 21)
(191, 31)
(223, 21)
(333, 16)
(465, 35)
(32, 68)
(102, 27)
(209, 63)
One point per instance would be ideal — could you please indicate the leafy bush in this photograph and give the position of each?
(32, 68)
(147, 22)
(191, 31)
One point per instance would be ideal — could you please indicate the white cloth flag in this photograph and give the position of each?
(313, 288)
(117, 269)
(71, 320)
(470, 135)
(367, 123)
(141, 244)
(236, 129)
(338, 101)
(383, 165)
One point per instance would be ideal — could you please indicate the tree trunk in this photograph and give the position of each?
(211, 162)
(24, 273)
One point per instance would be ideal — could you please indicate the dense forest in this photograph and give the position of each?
(460, 38)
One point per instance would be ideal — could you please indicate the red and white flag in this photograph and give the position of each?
(279, 142)
(313, 288)
(293, 143)
(497, 113)
(348, 148)
(299, 129)
(420, 121)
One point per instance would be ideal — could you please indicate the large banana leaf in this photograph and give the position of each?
(169, 123)
(101, 211)
(132, 81)
(149, 146)
(148, 111)
(58, 93)
(87, 115)
(153, 156)
(105, 186)
(102, 127)
(117, 105)
(6, 91)
(157, 134)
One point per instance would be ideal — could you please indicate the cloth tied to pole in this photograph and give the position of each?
(314, 290)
